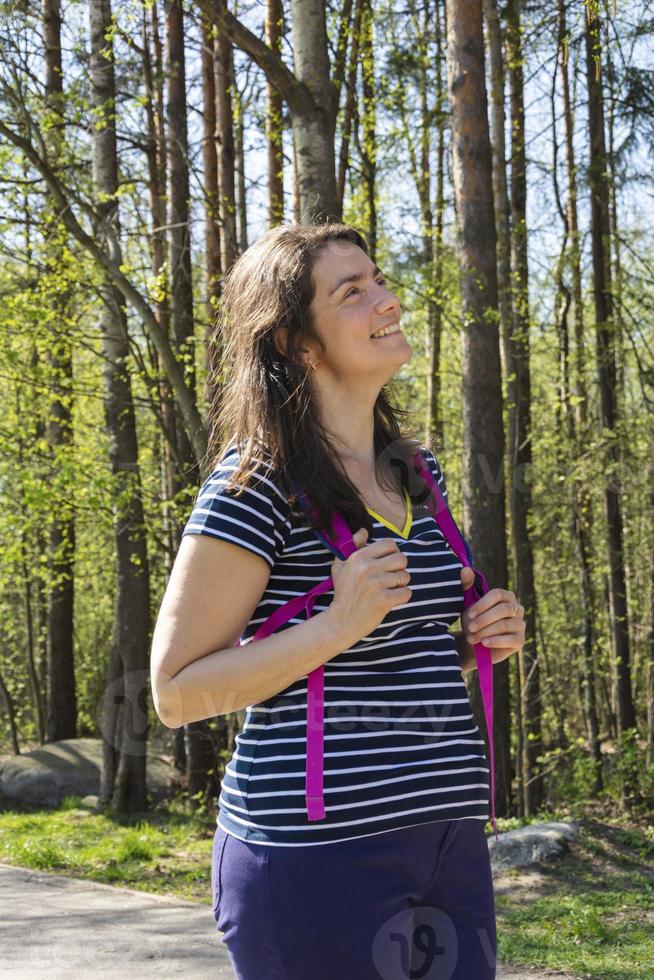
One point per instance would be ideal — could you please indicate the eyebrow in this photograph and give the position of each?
(355, 277)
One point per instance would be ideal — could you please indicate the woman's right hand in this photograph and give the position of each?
(366, 586)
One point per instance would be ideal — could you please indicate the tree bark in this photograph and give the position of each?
(349, 109)
(606, 367)
(212, 255)
(582, 501)
(61, 720)
(274, 120)
(309, 94)
(519, 415)
(369, 145)
(125, 752)
(483, 490)
(223, 70)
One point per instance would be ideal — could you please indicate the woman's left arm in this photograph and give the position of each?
(497, 620)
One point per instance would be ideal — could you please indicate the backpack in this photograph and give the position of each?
(340, 542)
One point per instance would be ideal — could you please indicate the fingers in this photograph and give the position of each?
(480, 615)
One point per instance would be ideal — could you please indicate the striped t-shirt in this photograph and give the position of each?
(401, 746)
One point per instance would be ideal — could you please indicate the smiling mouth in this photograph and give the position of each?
(387, 331)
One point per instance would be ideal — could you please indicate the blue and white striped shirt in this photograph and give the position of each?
(401, 744)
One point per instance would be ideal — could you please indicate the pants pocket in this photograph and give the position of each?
(219, 841)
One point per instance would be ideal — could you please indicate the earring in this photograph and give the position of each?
(313, 366)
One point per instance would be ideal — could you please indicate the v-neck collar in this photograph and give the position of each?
(406, 530)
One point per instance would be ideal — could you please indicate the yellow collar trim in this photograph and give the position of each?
(406, 530)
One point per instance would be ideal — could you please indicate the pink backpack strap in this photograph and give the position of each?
(341, 541)
(442, 515)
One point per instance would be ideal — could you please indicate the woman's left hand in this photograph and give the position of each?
(493, 621)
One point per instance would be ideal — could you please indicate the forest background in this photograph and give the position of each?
(497, 157)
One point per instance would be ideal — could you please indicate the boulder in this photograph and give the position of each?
(71, 767)
(530, 844)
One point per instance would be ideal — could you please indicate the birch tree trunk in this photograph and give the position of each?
(125, 719)
(483, 490)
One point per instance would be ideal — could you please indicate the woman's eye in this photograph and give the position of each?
(354, 289)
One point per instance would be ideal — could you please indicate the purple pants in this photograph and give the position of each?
(411, 903)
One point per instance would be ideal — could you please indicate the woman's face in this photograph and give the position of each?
(350, 304)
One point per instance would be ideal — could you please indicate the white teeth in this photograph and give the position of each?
(391, 329)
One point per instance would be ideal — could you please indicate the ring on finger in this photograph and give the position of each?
(516, 609)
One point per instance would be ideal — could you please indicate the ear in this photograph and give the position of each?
(280, 340)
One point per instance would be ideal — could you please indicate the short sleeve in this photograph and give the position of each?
(437, 472)
(440, 480)
(257, 519)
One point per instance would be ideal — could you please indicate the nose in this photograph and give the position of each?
(387, 300)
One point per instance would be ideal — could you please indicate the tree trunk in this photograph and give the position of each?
(61, 719)
(369, 145)
(310, 96)
(582, 501)
(349, 109)
(274, 120)
(212, 257)
(125, 752)
(157, 179)
(519, 414)
(226, 156)
(11, 715)
(483, 489)
(241, 202)
(433, 242)
(606, 366)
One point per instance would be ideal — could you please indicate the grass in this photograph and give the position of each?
(589, 913)
(168, 852)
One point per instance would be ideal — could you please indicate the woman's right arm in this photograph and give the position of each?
(196, 670)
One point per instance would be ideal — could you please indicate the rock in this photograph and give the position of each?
(530, 844)
(69, 768)
(90, 802)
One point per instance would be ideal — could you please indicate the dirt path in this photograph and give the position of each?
(63, 928)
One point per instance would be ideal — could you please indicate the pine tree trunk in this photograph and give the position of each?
(158, 176)
(432, 234)
(126, 751)
(582, 501)
(369, 144)
(519, 412)
(239, 169)
(483, 455)
(502, 213)
(61, 721)
(606, 366)
(349, 109)
(274, 120)
(223, 72)
(212, 257)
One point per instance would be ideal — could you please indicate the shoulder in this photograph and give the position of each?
(261, 481)
(251, 511)
(435, 468)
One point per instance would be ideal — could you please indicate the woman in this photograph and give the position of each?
(395, 880)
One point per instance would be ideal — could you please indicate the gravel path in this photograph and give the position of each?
(62, 928)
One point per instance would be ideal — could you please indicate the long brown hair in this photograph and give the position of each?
(260, 399)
